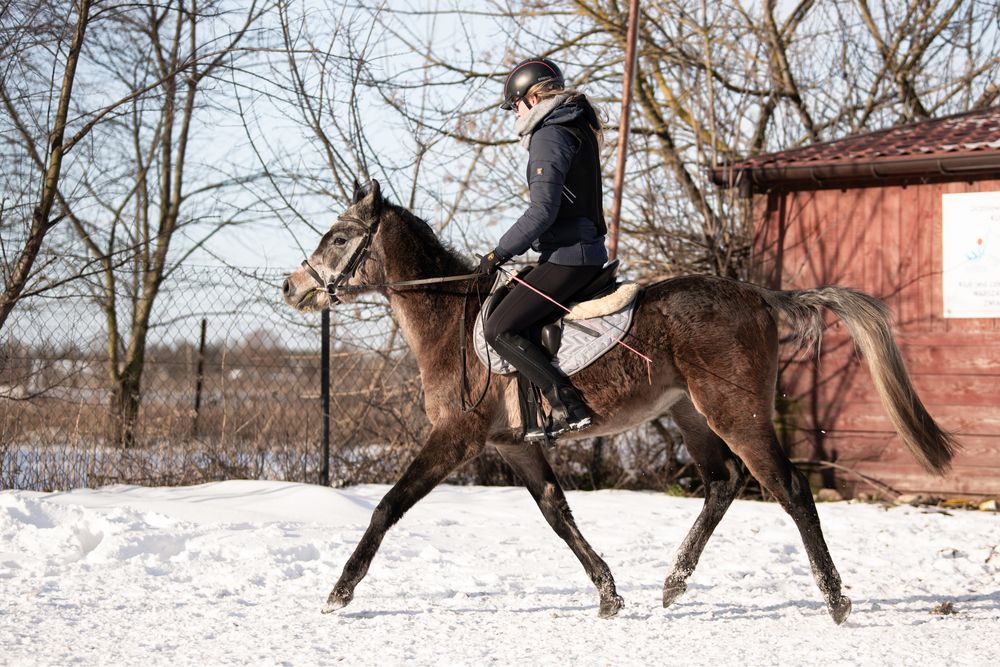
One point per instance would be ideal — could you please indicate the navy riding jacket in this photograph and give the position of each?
(565, 221)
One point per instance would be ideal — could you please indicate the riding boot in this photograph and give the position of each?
(569, 411)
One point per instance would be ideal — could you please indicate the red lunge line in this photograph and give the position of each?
(649, 362)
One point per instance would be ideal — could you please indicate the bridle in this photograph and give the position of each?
(359, 255)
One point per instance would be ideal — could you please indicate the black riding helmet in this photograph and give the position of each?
(525, 75)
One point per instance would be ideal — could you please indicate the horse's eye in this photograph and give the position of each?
(340, 240)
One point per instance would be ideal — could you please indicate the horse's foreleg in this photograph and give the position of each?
(445, 450)
(724, 477)
(530, 464)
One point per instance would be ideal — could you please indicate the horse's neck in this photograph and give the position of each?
(431, 322)
(413, 254)
(428, 316)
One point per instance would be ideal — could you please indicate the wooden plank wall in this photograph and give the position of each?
(885, 241)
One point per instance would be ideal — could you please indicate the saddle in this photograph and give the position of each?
(601, 312)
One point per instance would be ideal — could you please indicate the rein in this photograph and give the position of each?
(403, 283)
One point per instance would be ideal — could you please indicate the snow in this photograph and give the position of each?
(237, 572)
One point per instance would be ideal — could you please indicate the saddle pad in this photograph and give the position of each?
(579, 348)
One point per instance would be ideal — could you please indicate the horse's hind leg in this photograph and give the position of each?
(743, 418)
(445, 449)
(724, 477)
(530, 464)
(771, 467)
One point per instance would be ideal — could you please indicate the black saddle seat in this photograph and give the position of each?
(604, 283)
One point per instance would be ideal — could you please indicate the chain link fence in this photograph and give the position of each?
(242, 401)
(231, 389)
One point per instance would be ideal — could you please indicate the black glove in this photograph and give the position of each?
(491, 261)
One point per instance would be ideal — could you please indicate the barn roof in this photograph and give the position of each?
(962, 146)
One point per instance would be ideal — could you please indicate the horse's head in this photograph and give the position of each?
(341, 258)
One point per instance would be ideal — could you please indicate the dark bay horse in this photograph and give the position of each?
(714, 345)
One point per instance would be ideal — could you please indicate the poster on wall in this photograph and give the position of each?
(970, 236)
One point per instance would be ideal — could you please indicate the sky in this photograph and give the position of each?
(279, 135)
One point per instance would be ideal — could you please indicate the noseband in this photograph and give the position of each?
(353, 264)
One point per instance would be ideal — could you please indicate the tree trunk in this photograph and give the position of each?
(124, 408)
(597, 463)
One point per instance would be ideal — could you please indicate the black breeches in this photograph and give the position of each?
(513, 321)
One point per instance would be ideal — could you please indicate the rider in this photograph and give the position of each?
(564, 223)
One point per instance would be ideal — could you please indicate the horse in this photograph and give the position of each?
(713, 343)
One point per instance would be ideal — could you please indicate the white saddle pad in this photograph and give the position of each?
(584, 341)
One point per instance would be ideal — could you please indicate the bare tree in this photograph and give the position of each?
(33, 132)
(137, 197)
(715, 82)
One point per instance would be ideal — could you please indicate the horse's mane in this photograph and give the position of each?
(441, 256)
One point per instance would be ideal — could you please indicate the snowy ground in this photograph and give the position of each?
(237, 572)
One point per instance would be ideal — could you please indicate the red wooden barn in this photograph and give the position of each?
(911, 215)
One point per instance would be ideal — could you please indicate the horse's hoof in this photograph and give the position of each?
(338, 600)
(610, 606)
(840, 610)
(671, 591)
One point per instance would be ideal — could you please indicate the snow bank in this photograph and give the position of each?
(237, 572)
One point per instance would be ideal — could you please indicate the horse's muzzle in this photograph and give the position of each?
(307, 299)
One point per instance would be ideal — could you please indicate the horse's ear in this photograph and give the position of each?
(375, 191)
(368, 196)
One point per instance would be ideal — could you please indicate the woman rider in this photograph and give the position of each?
(564, 223)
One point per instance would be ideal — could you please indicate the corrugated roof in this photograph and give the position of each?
(924, 147)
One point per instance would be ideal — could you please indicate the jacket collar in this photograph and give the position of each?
(530, 121)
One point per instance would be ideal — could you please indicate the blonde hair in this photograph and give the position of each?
(553, 87)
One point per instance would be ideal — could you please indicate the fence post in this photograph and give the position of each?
(324, 380)
(200, 378)
(630, 62)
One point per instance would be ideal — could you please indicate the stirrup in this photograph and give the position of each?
(536, 434)
(555, 429)
(564, 426)
(569, 412)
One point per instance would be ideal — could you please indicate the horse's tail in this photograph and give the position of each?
(868, 321)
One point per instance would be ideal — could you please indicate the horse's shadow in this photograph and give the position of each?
(553, 609)
(364, 615)
(904, 607)
(921, 605)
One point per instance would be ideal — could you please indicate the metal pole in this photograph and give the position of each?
(200, 378)
(324, 380)
(623, 122)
